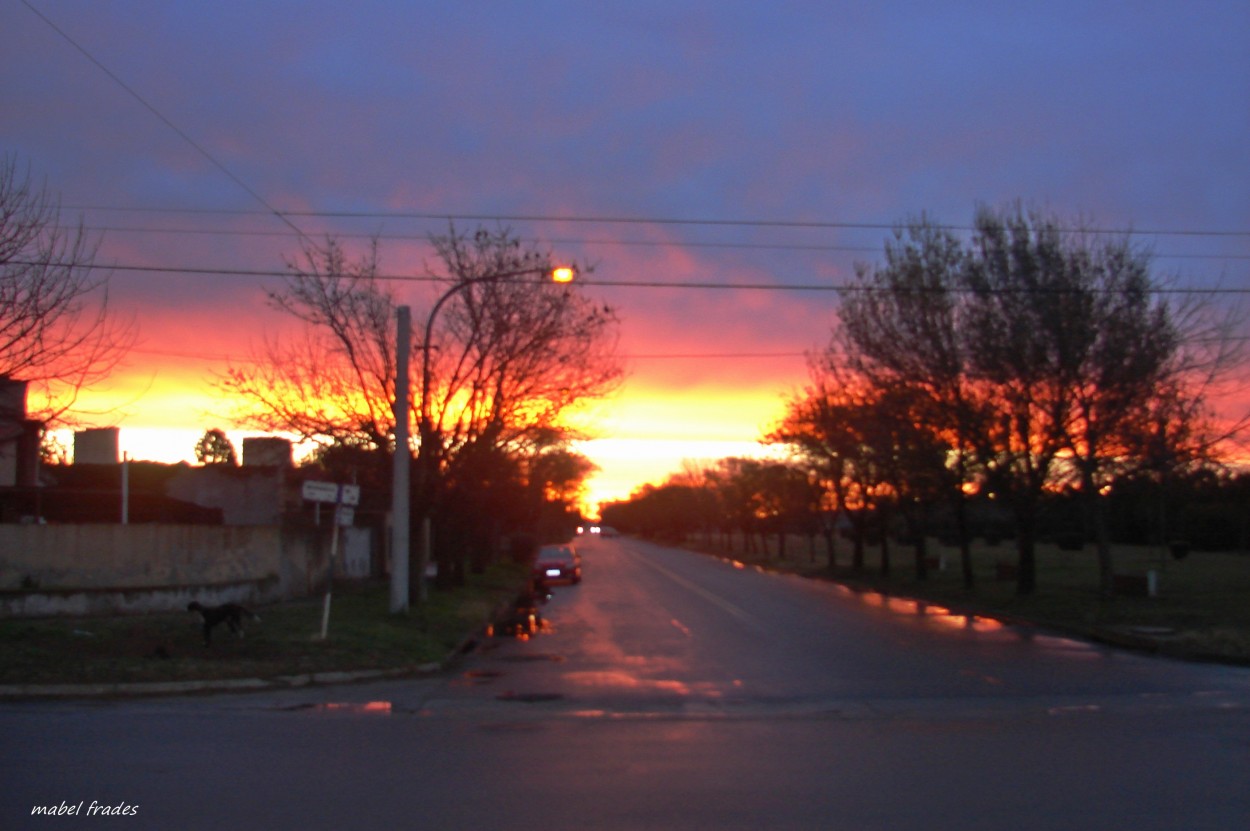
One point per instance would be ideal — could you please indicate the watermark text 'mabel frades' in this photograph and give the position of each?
(95, 809)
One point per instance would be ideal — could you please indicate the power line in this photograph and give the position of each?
(130, 229)
(640, 220)
(847, 287)
(640, 356)
(684, 356)
(758, 246)
(167, 122)
(609, 283)
(735, 223)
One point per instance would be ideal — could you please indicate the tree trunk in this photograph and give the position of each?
(922, 557)
(885, 553)
(916, 530)
(965, 544)
(1097, 516)
(1026, 528)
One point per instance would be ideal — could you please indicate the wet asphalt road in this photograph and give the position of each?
(677, 691)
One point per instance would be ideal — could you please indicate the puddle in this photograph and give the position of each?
(924, 611)
(483, 673)
(372, 708)
(533, 657)
(530, 698)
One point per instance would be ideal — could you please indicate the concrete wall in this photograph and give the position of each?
(153, 567)
(266, 451)
(246, 496)
(97, 446)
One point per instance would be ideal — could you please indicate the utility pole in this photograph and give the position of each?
(401, 466)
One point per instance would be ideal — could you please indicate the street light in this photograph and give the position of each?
(428, 461)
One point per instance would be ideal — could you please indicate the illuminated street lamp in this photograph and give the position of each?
(428, 459)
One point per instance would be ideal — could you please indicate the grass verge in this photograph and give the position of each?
(363, 635)
(1201, 611)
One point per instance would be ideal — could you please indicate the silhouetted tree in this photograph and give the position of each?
(1037, 352)
(510, 357)
(214, 448)
(57, 332)
(901, 327)
(335, 382)
(839, 428)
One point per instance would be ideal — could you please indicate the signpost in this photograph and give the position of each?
(332, 492)
(344, 498)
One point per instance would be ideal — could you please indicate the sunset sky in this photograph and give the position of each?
(683, 148)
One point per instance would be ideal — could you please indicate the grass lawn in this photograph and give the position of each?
(1202, 608)
(363, 635)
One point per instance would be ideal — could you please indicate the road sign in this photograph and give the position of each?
(321, 491)
(332, 492)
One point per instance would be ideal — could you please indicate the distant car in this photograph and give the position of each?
(558, 563)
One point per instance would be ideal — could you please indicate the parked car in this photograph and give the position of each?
(558, 563)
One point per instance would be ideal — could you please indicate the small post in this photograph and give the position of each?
(334, 550)
(423, 561)
(125, 488)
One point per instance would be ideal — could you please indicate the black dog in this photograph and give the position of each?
(231, 613)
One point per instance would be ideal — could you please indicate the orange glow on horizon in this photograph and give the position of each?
(642, 435)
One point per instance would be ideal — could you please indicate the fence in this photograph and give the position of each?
(86, 569)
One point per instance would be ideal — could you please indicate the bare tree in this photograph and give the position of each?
(509, 356)
(512, 356)
(1084, 354)
(902, 326)
(57, 332)
(334, 383)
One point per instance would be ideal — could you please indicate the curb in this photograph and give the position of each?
(11, 692)
(20, 692)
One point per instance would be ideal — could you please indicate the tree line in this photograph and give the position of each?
(1028, 365)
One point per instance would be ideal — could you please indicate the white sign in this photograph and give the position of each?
(321, 491)
(332, 492)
